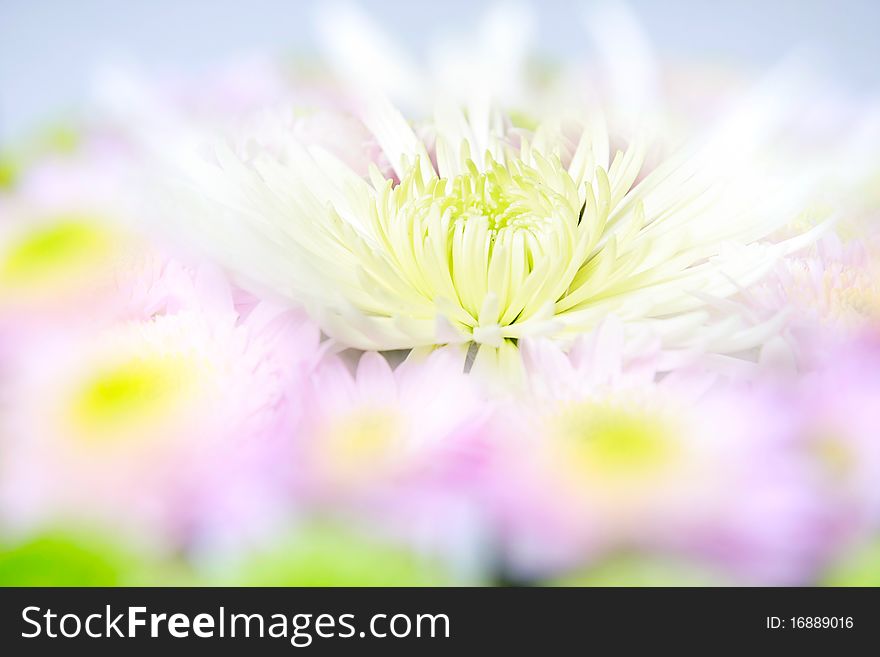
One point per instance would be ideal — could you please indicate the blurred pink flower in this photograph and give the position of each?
(72, 252)
(163, 427)
(397, 450)
(840, 415)
(830, 293)
(599, 456)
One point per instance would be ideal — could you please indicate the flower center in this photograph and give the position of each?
(126, 398)
(506, 198)
(357, 444)
(484, 196)
(602, 442)
(60, 248)
(481, 235)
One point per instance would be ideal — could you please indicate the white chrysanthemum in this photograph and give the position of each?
(487, 236)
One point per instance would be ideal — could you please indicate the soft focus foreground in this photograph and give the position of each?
(493, 323)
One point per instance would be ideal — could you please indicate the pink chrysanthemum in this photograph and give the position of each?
(605, 458)
(839, 419)
(398, 449)
(70, 254)
(162, 426)
(830, 292)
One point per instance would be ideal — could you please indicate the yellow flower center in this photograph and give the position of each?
(507, 197)
(359, 442)
(56, 253)
(485, 231)
(832, 452)
(125, 399)
(606, 443)
(856, 292)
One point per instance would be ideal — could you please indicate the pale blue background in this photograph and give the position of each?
(49, 49)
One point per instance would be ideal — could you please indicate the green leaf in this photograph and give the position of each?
(860, 567)
(62, 560)
(63, 557)
(639, 570)
(329, 557)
